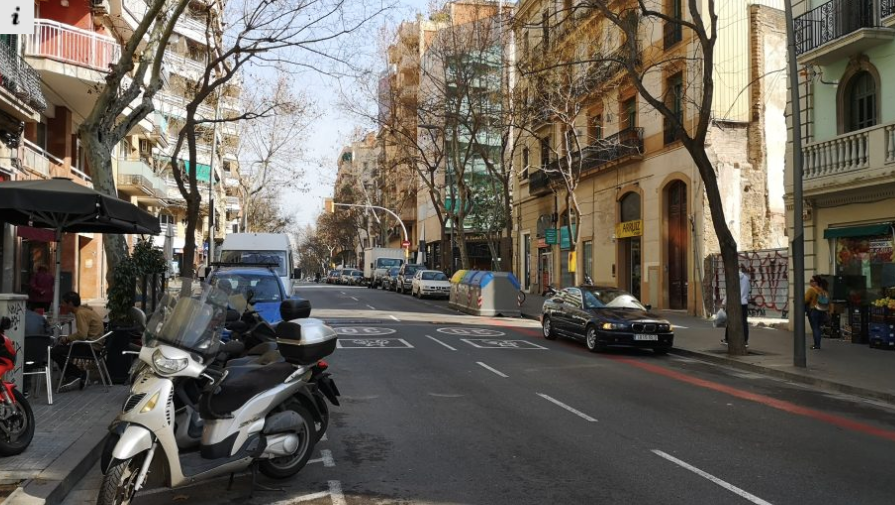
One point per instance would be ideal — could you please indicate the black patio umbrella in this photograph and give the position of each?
(64, 206)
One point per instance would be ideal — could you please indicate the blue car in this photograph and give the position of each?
(264, 285)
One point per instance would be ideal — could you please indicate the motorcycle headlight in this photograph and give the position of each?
(166, 365)
(613, 326)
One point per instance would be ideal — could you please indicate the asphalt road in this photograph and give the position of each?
(444, 409)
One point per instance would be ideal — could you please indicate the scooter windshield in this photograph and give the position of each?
(191, 317)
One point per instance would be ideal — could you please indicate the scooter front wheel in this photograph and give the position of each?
(287, 466)
(18, 426)
(120, 482)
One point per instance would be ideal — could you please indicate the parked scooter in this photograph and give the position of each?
(260, 417)
(16, 417)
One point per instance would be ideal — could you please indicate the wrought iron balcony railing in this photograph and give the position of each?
(538, 183)
(20, 79)
(628, 142)
(833, 20)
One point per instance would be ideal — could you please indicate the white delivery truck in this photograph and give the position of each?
(377, 261)
(259, 248)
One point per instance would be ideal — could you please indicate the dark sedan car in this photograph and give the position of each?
(391, 278)
(605, 317)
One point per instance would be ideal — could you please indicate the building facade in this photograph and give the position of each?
(847, 84)
(645, 222)
(357, 182)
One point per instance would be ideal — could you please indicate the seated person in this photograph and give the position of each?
(89, 326)
(35, 324)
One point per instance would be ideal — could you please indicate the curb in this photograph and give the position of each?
(53, 484)
(790, 376)
(780, 374)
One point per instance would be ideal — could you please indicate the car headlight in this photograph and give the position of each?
(166, 365)
(613, 326)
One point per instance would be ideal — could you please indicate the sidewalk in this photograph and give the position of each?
(839, 366)
(67, 442)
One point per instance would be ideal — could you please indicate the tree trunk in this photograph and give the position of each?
(100, 160)
(464, 253)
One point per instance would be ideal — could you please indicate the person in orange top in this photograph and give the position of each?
(817, 305)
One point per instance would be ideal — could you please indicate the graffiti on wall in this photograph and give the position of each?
(768, 272)
(15, 311)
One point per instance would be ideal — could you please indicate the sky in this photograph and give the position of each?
(332, 130)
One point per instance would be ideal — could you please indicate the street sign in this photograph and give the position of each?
(405, 244)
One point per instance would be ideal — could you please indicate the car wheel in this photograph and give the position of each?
(549, 332)
(592, 340)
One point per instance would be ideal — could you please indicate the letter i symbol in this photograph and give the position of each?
(15, 16)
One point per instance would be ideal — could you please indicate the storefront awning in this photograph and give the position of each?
(859, 231)
(36, 234)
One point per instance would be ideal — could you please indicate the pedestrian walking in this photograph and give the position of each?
(40, 294)
(817, 306)
(745, 288)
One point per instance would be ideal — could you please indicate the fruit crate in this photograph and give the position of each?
(858, 324)
(883, 315)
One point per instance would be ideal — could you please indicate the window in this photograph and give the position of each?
(165, 219)
(525, 163)
(227, 166)
(673, 32)
(628, 114)
(545, 152)
(596, 128)
(861, 102)
(674, 90)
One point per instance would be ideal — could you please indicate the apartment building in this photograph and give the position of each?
(847, 84)
(357, 182)
(645, 223)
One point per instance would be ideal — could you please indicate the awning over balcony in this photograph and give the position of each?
(858, 231)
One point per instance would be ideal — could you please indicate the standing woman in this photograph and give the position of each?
(817, 304)
(41, 288)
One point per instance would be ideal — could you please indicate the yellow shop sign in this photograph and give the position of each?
(629, 229)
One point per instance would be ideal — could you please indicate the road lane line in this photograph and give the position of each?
(498, 372)
(326, 457)
(371, 307)
(792, 408)
(353, 298)
(726, 485)
(393, 317)
(335, 493)
(578, 413)
(440, 342)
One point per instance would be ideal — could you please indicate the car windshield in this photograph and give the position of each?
(388, 262)
(610, 298)
(275, 258)
(264, 288)
(393, 271)
(190, 316)
(434, 276)
(409, 271)
(357, 273)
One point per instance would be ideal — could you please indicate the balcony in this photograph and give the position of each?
(18, 78)
(614, 149)
(184, 65)
(887, 11)
(136, 178)
(539, 183)
(862, 158)
(70, 62)
(840, 28)
(175, 105)
(39, 161)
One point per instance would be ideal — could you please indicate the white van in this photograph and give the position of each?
(261, 248)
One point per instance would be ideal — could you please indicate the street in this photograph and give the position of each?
(489, 412)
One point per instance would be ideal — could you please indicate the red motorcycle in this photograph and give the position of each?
(16, 417)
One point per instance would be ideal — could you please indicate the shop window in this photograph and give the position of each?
(861, 101)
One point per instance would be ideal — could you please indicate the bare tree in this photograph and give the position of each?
(623, 46)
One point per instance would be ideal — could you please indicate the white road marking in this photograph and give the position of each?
(440, 342)
(353, 298)
(343, 292)
(393, 317)
(486, 367)
(371, 307)
(326, 457)
(503, 344)
(578, 413)
(681, 327)
(730, 487)
(335, 492)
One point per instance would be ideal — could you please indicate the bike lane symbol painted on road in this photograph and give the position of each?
(363, 331)
(373, 343)
(490, 343)
(471, 332)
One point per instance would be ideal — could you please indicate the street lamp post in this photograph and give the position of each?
(396, 216)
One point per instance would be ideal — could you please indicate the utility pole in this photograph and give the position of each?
(376, 207)
(798, 238)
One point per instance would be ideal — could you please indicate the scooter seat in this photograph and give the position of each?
(234, 392)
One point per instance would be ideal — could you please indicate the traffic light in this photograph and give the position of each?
(328, 205)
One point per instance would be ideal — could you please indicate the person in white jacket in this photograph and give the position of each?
(745, 288)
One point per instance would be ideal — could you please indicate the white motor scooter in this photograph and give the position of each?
(264, 416)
